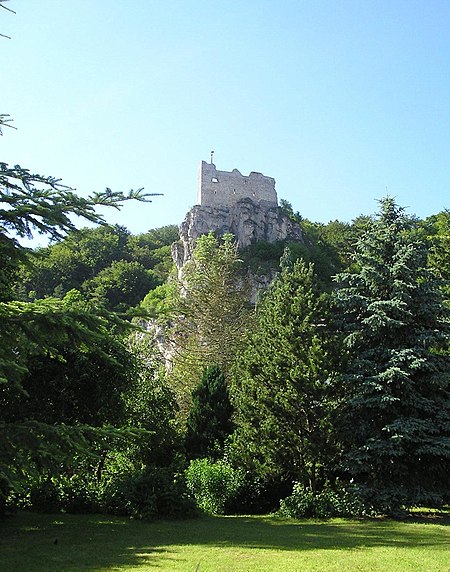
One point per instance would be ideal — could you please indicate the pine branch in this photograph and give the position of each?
(6, 7)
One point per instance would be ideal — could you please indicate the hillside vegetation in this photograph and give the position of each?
(329, 397)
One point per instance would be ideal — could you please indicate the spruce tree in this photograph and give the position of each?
(209, 422)
(279, 388)
(394, 417)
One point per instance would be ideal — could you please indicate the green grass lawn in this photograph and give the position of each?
(49, 543)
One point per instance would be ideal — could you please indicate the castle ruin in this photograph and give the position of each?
(223, 189)
(245, 206)
(229, 202)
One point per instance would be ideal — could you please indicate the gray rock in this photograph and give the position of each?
(247, 220)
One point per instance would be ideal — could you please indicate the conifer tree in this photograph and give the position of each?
(211, 313)
(32, 204)
(394, 417)
(209, 422)
(279, 388)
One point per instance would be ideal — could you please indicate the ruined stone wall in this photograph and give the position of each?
(224, 189)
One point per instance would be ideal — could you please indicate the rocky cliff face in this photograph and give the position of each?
(247, 221)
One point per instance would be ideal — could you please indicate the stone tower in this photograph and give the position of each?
(224, 189)
(246, 207)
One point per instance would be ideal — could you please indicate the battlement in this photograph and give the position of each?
(224, 189)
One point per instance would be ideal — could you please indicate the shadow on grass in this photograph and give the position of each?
(34, 543)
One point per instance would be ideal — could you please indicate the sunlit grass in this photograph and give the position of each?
(69, 543)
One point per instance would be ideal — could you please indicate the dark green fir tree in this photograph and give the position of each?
(209, 422)
(394, 417)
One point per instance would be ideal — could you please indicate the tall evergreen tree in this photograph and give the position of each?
(209, 422)
(279, 388)
(394, 416)
(31, 204)
(211, 313)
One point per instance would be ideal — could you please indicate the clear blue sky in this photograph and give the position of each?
(341, 101)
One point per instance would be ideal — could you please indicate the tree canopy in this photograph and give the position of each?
(394, 416)
(211, 311)
(38, 335)
(281, 380)
(339, 387)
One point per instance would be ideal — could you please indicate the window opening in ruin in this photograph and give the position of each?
(214, 180)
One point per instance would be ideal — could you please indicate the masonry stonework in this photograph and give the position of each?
(224, 189)
(229, 202)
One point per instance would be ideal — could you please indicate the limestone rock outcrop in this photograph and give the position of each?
(247, 220)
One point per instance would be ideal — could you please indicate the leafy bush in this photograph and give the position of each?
(326, 504)
(75, 494)
(213, 484)
(78, 494)
(156, 492)
(44, 496)
(153, 493)
(159, 302)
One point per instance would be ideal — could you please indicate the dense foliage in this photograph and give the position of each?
(72, 433)
(209, 422)
(331, 394)
(394, 417)
(331, 397)
(109, 265)
(210, 313)
(214, 484)
(281, 382)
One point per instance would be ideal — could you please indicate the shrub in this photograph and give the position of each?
(44, 496)
(73, 494)
(78, 494)
(150, 494)
(342, 502)
(155, 492)
(214, 484)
